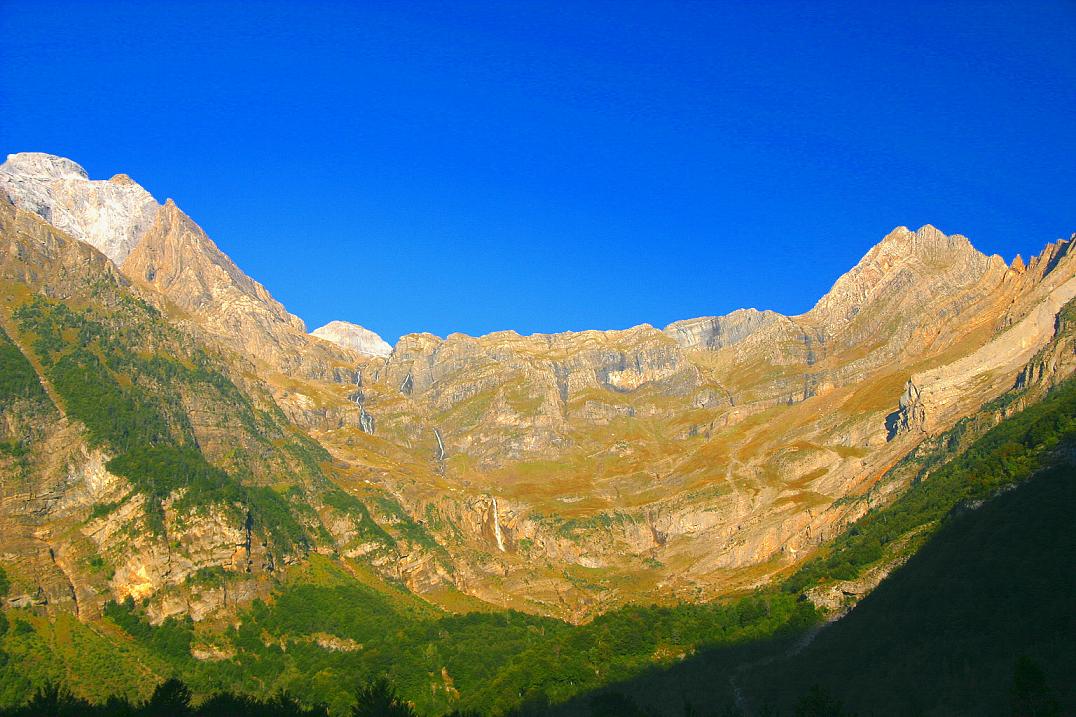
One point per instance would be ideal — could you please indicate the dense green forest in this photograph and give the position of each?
(378, 698)
(488, 661)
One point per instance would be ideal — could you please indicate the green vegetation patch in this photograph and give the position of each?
(18, 380)
(495, 661)
(125, 375)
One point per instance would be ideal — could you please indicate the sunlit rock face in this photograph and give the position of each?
(717, 332)
(111, 215)
(563, 473)
(354, 337)
(713, 447)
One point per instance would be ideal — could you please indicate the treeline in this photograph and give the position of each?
(491, 662)
(172, 698)
(378, 698)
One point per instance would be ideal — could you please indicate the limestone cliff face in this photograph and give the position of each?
(944, 393)
(717, 332)
(201, 288)
(176, 259)
(505, 397)
(1056, 361)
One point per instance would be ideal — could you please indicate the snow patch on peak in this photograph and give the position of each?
(354, 337)
(110, 215)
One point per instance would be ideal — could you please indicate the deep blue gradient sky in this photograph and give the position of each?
(557, 166)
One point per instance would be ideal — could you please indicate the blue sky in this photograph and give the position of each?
(558, 166)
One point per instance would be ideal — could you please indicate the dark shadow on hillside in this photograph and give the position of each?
(982, 620)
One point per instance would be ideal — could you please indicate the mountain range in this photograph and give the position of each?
(173, 437)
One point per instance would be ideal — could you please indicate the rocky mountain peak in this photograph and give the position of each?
(903, 259)
(925, 239)
(41, 166)
(354, 337)
(109, 215)
(124, 179)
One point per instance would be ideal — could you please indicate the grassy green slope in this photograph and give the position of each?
(135, 383)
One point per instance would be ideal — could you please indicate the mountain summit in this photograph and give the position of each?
(354, 337)
(111, 215)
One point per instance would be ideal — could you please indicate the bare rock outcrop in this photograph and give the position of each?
(717, 332)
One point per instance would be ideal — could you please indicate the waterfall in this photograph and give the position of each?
(366, 421)
(440, 445)
(497, 527)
